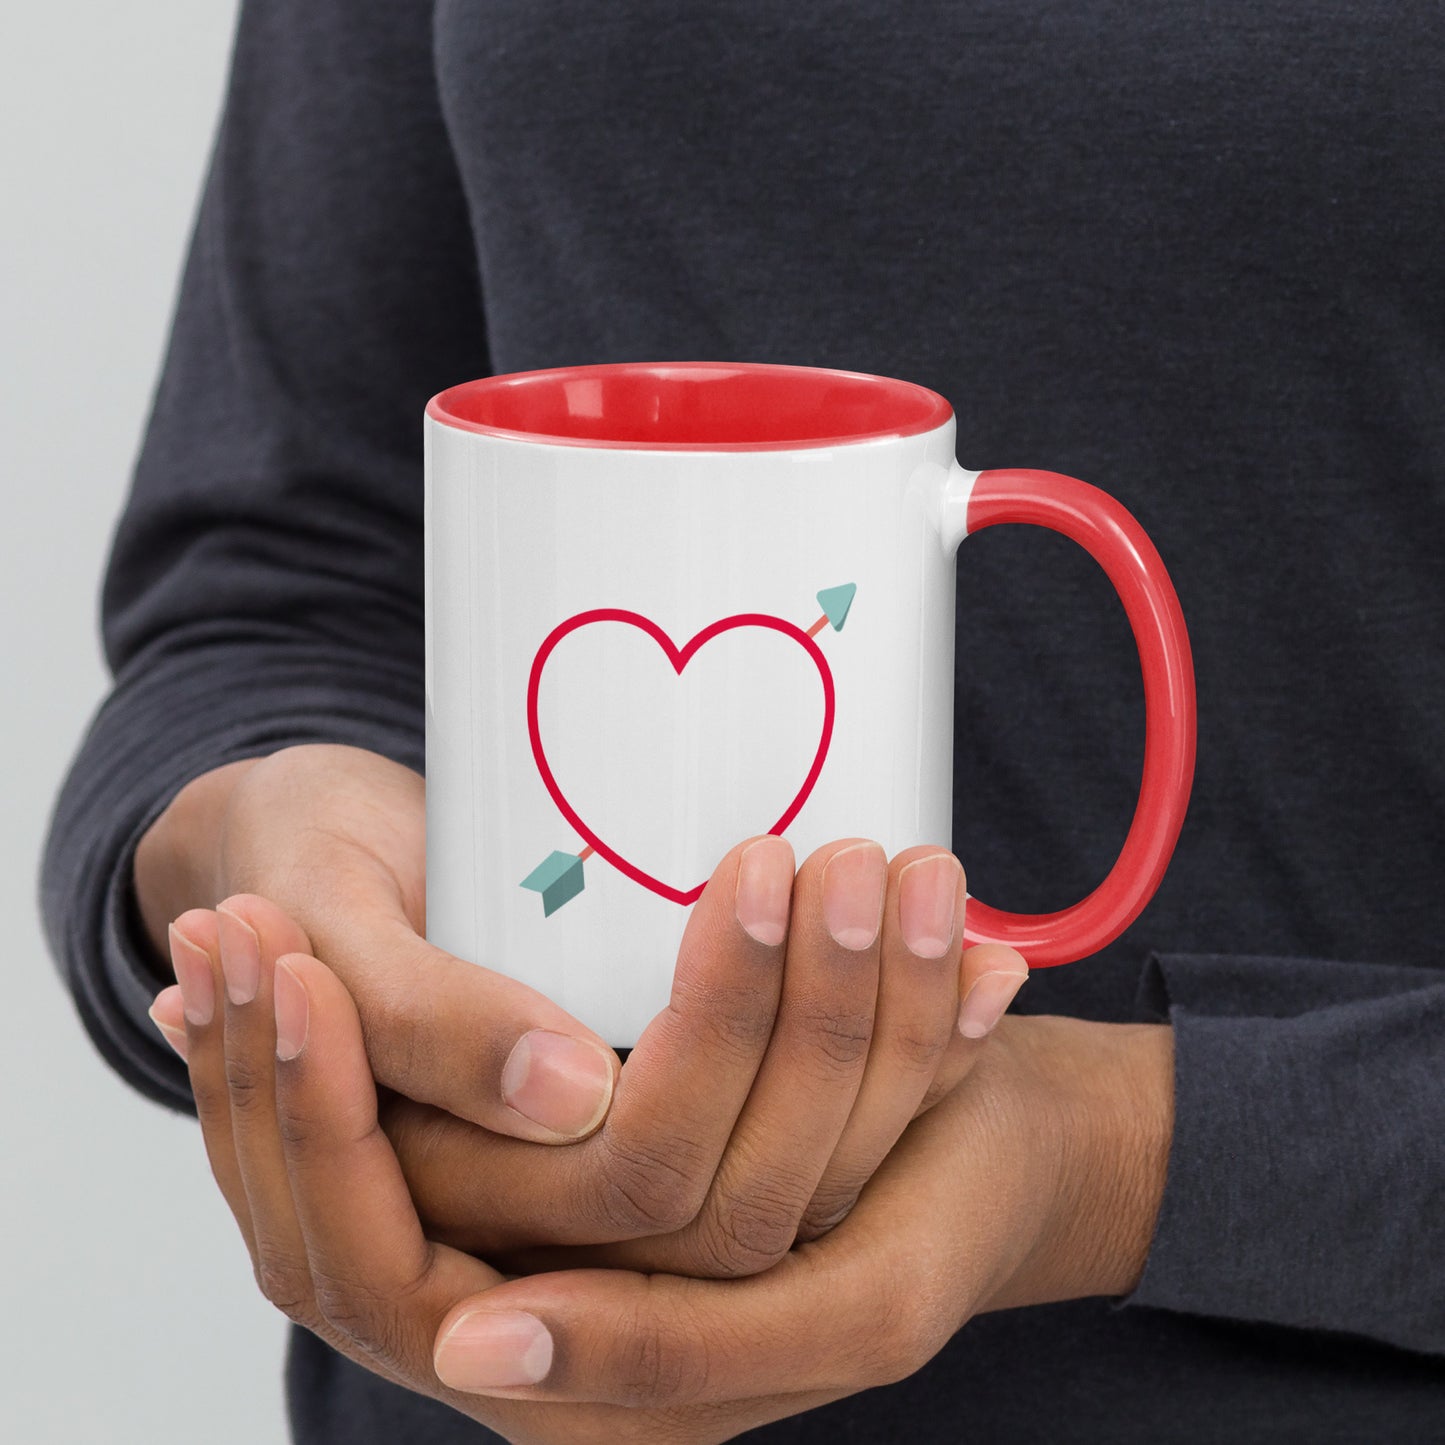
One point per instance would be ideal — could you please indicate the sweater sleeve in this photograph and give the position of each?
(264, 586)
(1306, 1179)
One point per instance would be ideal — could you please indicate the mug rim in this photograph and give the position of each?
(558, 408)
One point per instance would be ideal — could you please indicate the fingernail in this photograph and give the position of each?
(927, 899)
(560, 1082)
(765, 886)
(986, 1002)
(192, 966)
(491, 1348)
(293, 1012)
(167, 1015)
(853, 884)
(240, 957)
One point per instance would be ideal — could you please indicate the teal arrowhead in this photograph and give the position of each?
(835, 601)
(558, 878)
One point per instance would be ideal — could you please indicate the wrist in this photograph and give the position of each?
(1104, 1095)
(177, 861)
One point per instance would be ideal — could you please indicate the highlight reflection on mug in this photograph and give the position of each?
(559, 877)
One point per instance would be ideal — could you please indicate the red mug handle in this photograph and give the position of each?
(1119, 545)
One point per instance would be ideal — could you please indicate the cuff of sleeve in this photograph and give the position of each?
(1294, 1080)
(151, 737)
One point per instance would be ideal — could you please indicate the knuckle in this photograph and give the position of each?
(919, 1045)
(301, 1133)
(651, 1187)
(837, 1039)
(826, 1212)
(735, 1020)
(213, 1103)
(348, 1313)
(360, 1313)
(304, 1133)
(653, 1367)
(250, 1085)
(746, 1235)
(288, 1286)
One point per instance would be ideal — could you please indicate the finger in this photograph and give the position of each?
(805, 1090)
(438, 1028)
(649, 1168)
(868, 1305)
(196, 959)
(270, 1231)
(667, 1342)
(915, 1020)
(990, 976)
(693, 1069)
(377, 1282)
(168, 1014)
(483, 1046)
(253, 933)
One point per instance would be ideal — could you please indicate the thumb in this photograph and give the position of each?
(447, 1032)
(483, 1046)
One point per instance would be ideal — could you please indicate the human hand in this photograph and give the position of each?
(1039, 1181)
(334, 838)
(758, 1103)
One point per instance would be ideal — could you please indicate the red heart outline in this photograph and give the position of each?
(679, 657)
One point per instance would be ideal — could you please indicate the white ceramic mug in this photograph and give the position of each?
(670, 606)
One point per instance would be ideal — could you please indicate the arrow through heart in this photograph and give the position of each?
(559, 877)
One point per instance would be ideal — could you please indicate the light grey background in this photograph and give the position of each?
(128, 1310)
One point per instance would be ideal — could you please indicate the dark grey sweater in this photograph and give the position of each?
(1190, 252)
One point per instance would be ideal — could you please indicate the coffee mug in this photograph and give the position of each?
(670, 606)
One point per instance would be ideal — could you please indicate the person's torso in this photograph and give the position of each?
(1188, 252)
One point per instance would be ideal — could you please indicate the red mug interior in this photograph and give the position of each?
(692, 406)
